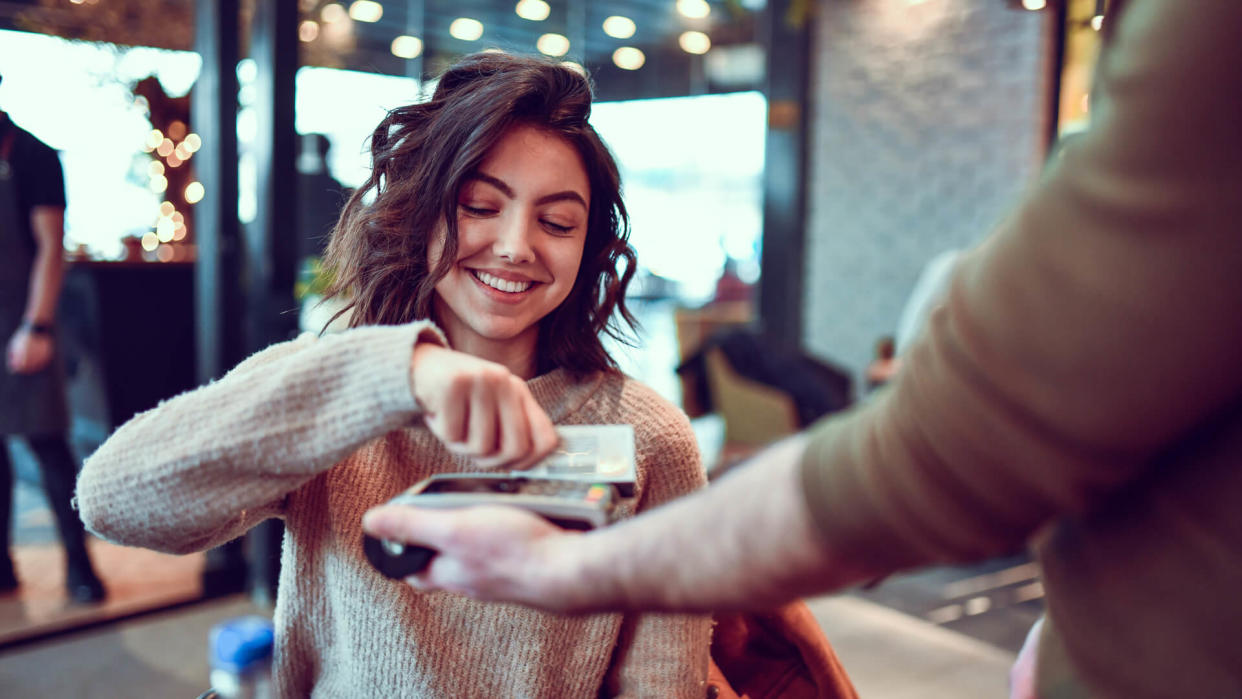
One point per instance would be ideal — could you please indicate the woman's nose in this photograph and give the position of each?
(513, 241)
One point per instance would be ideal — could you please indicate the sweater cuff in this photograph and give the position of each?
(384, 352)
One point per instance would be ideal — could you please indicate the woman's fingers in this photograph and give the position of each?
(512, 426)
(543, 436)
(481, 438)
(480, 409)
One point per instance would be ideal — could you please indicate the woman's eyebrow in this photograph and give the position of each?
(495, 182)
(567, 195)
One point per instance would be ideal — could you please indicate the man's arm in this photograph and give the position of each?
(1097, 326)
(30, 348)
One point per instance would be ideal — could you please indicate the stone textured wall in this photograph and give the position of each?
(927, 123)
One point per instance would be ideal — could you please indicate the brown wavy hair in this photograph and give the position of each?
(422, 155)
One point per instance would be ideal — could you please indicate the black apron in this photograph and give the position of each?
(30, 404)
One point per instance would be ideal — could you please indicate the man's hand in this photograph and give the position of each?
(479, 408)
(490, 553)
(28, 352)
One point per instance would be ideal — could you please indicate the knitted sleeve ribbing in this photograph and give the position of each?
(205, 466)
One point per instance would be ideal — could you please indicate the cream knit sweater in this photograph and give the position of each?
(318, 430)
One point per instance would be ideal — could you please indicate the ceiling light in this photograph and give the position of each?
(366, 11)
(308, 30)
(628, 58)
(1034, 4)
(534, 10)
(466, 29)
(407, 46)
(694, 42)
(694, 9)
(619, 27)
(1097, 22)
(553, 45)
(332, 12)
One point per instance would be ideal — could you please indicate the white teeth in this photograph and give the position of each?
(501, 284)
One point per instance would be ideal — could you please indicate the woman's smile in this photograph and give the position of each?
(521, 227)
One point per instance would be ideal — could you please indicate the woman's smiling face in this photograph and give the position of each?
(521, 226)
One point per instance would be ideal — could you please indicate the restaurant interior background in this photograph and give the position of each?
(193, 137)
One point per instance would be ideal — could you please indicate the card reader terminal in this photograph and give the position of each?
(567, 503)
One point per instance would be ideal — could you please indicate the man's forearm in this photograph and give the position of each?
(49, 265)
(687, 555)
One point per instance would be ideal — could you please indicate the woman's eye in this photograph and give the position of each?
(476, 210)
(557, 228)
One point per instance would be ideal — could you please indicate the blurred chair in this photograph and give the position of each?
(754, 414)
(694, 327)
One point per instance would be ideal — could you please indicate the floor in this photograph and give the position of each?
(137, 580)
(887, 654)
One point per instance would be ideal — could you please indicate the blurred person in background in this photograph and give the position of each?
(32, 386)
(1078, 389)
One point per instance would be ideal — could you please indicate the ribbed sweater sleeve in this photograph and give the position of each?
(202, 468)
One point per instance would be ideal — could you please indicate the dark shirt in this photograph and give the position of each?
(37, 173)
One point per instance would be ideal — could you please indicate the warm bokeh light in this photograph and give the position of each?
(628, 58)
(156, 168)
(694, 9)
(193, 142)
(308, 31)
(534, 10)
(176, 130)
(1034, 4)
(694, 42)
(406, 46)
(164, 253)
(194, 192)
(174, 160)
(553, 45)
(574, 66)
(158, 184)
(1097, 22)
(619, 27)
(167, 209)
(166, 146)
(332, 12)
(165, 229)
(466, 29)
(366, 11)
(154, 138)
(150, 241)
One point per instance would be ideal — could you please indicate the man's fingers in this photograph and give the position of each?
(410, 525)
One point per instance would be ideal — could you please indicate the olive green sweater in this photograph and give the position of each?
(316, 431)
(1081, 387)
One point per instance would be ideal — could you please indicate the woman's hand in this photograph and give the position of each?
(479, 408)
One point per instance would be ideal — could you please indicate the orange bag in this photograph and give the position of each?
(779, 653)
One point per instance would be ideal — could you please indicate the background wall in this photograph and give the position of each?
(927, 122)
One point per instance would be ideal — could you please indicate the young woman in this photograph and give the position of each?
(481, 260)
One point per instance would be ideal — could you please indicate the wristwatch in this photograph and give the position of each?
(36, 328)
